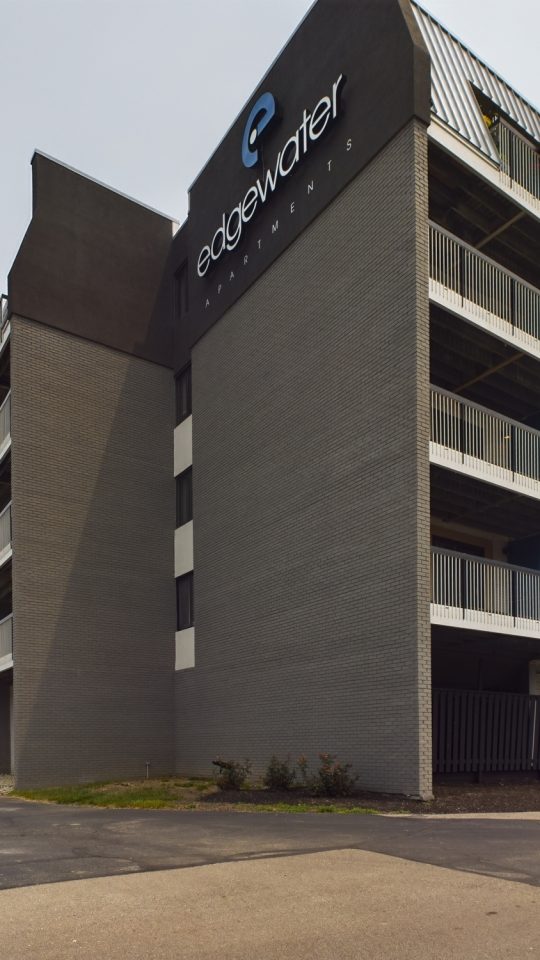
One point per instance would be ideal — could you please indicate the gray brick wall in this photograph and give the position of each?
(93, 587)
(311, 497)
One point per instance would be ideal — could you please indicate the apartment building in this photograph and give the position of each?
(350, 319)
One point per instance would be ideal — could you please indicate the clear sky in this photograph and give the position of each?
(138, 94)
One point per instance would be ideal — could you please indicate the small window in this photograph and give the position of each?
(184, 601)
(183, 395)
(184, 497)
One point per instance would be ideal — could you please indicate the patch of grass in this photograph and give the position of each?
(306, 808)
(58, 794)
(322, 808)
(169, 794)
(137, 794)
(86, 797)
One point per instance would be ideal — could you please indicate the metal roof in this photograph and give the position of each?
(453, 70)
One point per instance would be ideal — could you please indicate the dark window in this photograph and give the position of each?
(184, 498)
(184, 601)
(183, 395)
(181, 292)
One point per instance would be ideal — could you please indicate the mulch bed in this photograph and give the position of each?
(489, 796)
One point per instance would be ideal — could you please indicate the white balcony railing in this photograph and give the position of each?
(482, 594)
(5, 528)
(484, 292)
(6, 641)
(473, 440)
(4, 322)
(520, 160)
(5, 420)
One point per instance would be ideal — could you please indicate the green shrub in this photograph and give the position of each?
(280, 775)
(304, 772)
(333, 777)
(232, 774)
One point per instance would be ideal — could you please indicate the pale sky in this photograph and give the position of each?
(138, 94)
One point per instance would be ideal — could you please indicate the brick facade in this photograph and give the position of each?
(93, 587)
(311, 497)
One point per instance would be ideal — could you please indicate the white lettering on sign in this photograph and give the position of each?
(229, 232)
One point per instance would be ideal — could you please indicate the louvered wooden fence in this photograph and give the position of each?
(479, 731)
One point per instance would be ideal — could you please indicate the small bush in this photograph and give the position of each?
(232, 774)
(304, 773)
(333, 778)
(280, 775)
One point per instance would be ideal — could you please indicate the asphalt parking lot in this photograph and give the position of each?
(47, 843)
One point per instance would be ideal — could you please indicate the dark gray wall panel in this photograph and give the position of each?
(91, 263)
(93, 587)
(311, 496)
(377, 47)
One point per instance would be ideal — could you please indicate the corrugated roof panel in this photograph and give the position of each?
(452, 110)
(453, 69)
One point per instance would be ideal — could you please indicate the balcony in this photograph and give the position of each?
(6, 642)
(5, 425)
(5, 534)
(476, 288)
(520, 161)
(485, 595)
(475, 441)
(5, 325)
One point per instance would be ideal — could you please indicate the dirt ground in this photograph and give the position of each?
(489, 796)
(6, 783)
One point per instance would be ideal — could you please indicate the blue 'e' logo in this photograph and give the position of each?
(259, 118)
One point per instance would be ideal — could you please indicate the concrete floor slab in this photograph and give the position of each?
(341, 904)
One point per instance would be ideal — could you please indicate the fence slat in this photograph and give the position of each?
(483, 731)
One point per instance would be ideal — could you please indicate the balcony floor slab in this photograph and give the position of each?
(497, 326)
(5, 447)
(451, 459)
(485, 168)
(479, 620)
(6, 663)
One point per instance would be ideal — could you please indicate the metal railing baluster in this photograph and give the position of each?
(485, 441)
(479, 284)
(484, 591)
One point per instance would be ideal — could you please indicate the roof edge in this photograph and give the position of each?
(106, 186)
